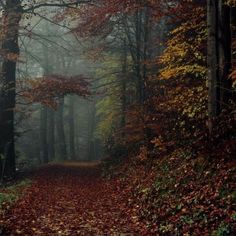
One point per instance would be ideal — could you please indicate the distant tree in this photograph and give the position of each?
(72, 127)
(13, 10)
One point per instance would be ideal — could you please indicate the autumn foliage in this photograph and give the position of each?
(48, 89)
(166, 126)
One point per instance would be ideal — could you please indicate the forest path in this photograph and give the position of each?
(71, 199)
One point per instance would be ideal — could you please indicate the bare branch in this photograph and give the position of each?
(63, 4)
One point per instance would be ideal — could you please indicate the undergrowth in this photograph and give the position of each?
(9, 195)
(182, 194)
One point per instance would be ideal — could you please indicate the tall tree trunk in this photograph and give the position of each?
(146, 56)
(51, 134)
(123, 87)
(60, 131)
(11, 18)
(72, 128)
(146, 30)
(219, 58)
(225, 65)
(233, 35)
(213, 62)
(45, 112)
(138, 38)
(43, 134)
(77, 134)
(91, 131)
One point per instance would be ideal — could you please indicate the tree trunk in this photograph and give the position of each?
(43, 134)
(91, 132)
(233, 35)
(51, 134)
(146, 56)
(72, 128)
(213, 62)
(11, 18)
(225, 65)
(138, 38)
(77, 134)
(219, 58)
(45, 115)
(123, 88)
(145, 50)
(60, 131)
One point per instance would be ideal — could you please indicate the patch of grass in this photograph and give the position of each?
(223, 230)
(187, 219)
(234, 217)
(15, 187)
(7, 198)
(9, 195)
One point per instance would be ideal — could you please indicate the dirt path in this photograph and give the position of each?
(71, 199)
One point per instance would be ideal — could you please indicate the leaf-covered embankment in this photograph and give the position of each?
(181, 194)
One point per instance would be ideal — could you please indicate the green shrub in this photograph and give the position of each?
(7, 198)
(223, 230)
(11, 193)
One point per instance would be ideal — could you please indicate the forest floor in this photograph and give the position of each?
(173, 195)
(69, 199)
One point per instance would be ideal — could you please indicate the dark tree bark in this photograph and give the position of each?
(219, 58)
(225, 44)
(138, 38)
(51, 134)
(72, 128)
(92, 121)
(45, 127)
(43, 134)
(124, 87)
(213, 62)
(233, 35)
(60, 131)
(146, 56)
(11, 19)
(77, 134)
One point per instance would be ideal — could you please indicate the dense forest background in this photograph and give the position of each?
(146, 86)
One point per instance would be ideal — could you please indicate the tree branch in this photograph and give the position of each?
(63, 4)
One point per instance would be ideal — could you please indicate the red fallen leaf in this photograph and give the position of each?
(68, 200)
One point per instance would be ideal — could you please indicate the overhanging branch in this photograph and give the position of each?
(63, 4)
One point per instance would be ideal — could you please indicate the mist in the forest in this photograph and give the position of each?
(117, 117)
(67, 131)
